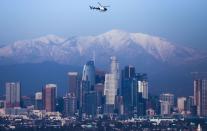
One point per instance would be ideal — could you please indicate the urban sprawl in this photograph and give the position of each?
(96, 100)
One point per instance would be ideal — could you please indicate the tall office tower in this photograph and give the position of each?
(70, 105)
(111, 85)
(89, 73)
(165, 108)
(143, 88)
(129, 72)
(99, 88)
(134, 90)
(38, 101)
(142, 85)
(73, 83)
(200, 96)
(13, 94)
(129, 93)
(114, 66)
(181, 104)
(110, 93)
(128, 89)
(49, 97)
(91, 103)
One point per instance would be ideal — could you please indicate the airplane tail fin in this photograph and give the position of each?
(91, 7)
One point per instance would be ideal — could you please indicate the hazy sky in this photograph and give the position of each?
(180, 21)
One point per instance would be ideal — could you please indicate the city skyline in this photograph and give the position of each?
(121, 86)
(103, 65)
(120, 94)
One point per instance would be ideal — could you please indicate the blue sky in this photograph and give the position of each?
(180, 21)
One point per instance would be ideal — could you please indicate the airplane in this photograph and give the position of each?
(100, 8)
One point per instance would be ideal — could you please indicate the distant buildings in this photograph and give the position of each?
(200, 96)
(165, 108)
(13, 94)
(134, 89)
(70, 105)
(181, 104)
(95, 93)
(170, 98)
(166, 103)
(49, 97)
(38, 101)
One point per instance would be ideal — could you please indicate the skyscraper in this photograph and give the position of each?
(129, 93)
(200, 96)
(13, 94)
(49, 97)
(91, 103)
(143, 88)
(110, 93)
(134, 89)
(87, 85)
(111, 85)
(129, 71)
(142, 85)
(73, 83)
(115, 72)
(89, 73)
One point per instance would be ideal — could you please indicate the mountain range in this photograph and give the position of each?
(168, 65)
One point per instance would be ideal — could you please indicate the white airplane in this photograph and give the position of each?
(100, 7)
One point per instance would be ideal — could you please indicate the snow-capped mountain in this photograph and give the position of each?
(130, 48)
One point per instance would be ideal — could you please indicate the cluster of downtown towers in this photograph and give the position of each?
(123, 93)
(98, 93)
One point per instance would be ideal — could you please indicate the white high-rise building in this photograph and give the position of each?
(115, 67)
(110, 90)
(112, 83)
(143, 88)
(13, 94)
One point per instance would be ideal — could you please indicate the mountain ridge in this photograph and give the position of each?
(114, 42)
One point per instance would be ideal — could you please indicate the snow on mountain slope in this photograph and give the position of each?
(76, 50)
